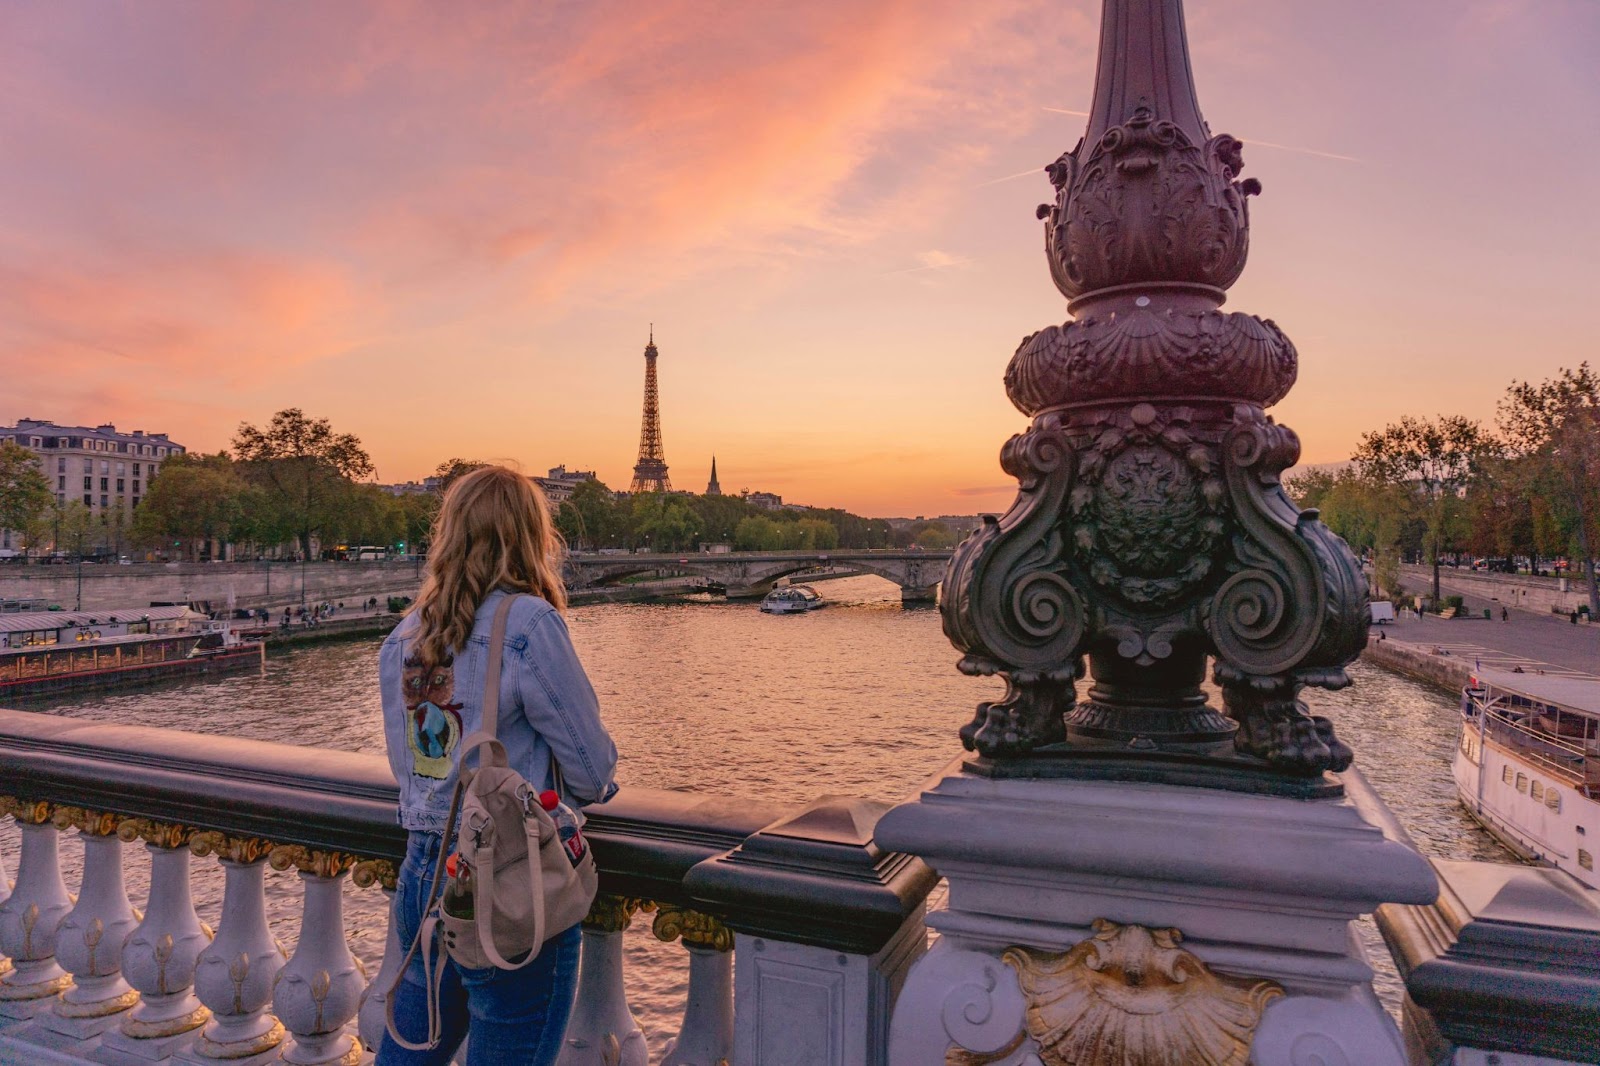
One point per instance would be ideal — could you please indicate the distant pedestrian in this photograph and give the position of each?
(1505, 615)
(1573, 617)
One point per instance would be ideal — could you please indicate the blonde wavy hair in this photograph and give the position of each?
(493, 530)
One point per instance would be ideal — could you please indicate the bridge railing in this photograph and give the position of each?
(823, 923)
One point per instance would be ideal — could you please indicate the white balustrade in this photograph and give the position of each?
(29, 918)
(602, 1030)
(89, 939)
(159, 956)
(707, 1035)
(372, 1017)
(235, 973)
(174, 993)
(320, 988)
(5, 890)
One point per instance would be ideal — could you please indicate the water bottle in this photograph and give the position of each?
(567, 826)
(456, 899)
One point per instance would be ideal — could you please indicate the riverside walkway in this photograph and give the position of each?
(1529, 639)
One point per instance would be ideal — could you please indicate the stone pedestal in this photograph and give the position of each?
(827, 925)
(1503, 969)
(1087, 916)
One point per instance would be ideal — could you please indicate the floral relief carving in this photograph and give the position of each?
(692, 927)
(613, 914)
(1131, 996)
(369, 872)
(1148, 204)
(161, 834)
(1140, 352)
(240, 849)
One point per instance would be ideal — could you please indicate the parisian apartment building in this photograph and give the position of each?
(106, 469)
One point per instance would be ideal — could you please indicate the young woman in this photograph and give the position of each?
(493, 538)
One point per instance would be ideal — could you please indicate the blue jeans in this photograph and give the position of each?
(513, 1016)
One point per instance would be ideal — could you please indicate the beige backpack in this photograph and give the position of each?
(524, 886)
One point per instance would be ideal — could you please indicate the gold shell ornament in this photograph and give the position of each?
(1129, 996)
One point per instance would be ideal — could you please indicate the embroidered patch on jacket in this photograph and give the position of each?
(433, 725)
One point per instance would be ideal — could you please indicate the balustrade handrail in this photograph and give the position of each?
(646, 841)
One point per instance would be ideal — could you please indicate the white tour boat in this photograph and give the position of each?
(791, 599)
(1528, 765)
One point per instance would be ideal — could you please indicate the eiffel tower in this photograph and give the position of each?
(650, 472)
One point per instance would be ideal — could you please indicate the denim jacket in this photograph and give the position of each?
(547, 707)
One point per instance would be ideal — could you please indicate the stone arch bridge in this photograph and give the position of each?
(746, 575)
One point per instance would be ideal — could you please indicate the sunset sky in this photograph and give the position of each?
(447, 227)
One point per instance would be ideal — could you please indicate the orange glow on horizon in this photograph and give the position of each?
(447, 229)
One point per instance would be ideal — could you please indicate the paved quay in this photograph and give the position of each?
(1529, 640)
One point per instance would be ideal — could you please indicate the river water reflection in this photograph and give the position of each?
(861, 698)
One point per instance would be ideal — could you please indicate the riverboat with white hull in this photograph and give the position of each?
(56, 651)
(792, 599)
(1527, 766)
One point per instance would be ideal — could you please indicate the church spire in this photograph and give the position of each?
(715, 487)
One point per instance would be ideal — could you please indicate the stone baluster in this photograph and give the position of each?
(706, 1038)
(320, 989)
(372, 1017)
(5, 890)
(159, 956)
(235, 974)
(602, 1030)
(89, 939)
(29, 917)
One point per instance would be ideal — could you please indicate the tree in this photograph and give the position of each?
(664, 522)
(72, 526)
(757, 533)
(416, 514)
(25, 496)
(369, 515)
(197, 499)
(596, 516)
(450, 469)
(304, 467)
(1553, 428)
(816, 533)
(1436, 458)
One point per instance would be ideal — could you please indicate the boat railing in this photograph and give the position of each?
(1561, 756)
(824, 923)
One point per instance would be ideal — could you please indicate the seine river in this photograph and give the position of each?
(861, 698)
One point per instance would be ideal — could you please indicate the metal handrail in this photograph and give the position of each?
(1571, 761)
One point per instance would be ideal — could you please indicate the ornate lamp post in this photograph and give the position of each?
(1151, 531)
(1151, 534)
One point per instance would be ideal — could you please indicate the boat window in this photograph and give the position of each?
(1585, 859)
(1505, 774)
(1522, 782)
(1537, 790)
(1552, 799)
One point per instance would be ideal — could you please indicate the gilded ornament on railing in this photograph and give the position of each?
(90, 823)
(29, 812)
(310, 860)
(1129, 996)
(369, 872)
(694, 928)
(161, 834)
(613, 914)
(227, 846)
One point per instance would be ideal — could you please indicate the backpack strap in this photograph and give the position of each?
(432, 966)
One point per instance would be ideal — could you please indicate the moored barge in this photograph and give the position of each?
(1527, 766)
(57, 651)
